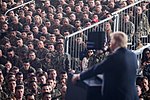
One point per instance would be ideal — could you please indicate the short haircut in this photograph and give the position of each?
(19, 87)
(120, 38)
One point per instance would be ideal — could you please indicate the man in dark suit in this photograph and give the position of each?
(119, 70)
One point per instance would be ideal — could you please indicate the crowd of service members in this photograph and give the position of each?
(33, 64)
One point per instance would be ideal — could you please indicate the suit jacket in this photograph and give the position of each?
(119, 70)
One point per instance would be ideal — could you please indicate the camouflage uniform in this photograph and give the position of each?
(128, 28)
(93, 60)
(56, 94)
(3, 95)
(142, 27)
(62, 63)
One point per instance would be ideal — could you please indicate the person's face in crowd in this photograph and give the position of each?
(85, 16)
(32, 56)
(63, 81)
(72, 17)
(95, 17)
(60, 48)
(4, 6)
(47, 3)
(55, 83)
(26, 8)
(30, 46)
(37, 18)
(145, 83)
(30, 37)
(52, 39)
(32, 6)
(19, 78)
(19, 93)
(130, 1)
(126, 18)
(39, 10)
(68, 9)
(30, 13)
(48, 24)
(60, 40)
(111, 4)
(21, 14)
(97, 2)
(139, 10)
(30, 97)
(50, 16)
(15, 70)
(1, 54)
(148, 54)
(90, 53)
(53, 75)
(66, 33)
(15, 20)
(48, 60)
(85, 9)
(123, 4)
(107, 26)
(81, 3)
(1, 78)
(28, 19)
(79, 40)
(57, 22)
(8, 65)
(71, 3)
(43, 14)
(24, 35)
(56, 31)
(91, 3)
(59, 9)
(78, 8)
(27, 28)
(44, 30)
(51, 48)
(12, 85)
(50, 82)
(47, 97)
(40, 44)
(139, 90)
(7, 45)
(66, 21)
(59, 15)
(42, 38)
(65, 76)
(34, 86)
(88, 24)
(20, 42)
(35, 29)
(26, 65)
(98, 8)
(13, 33)
(46, 88)
(51, 10)
(5, 27)
(2, 18)
(77, 23)
(11, 54)
(34, 78)
(42, 79)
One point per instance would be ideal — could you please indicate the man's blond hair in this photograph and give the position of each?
(120, 38)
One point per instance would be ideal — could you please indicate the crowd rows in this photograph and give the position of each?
(33, 63)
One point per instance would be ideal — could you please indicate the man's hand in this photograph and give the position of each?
(75, 78)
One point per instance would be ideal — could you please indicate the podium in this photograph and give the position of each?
(89, 89)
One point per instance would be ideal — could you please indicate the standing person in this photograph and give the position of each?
(119, 70)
